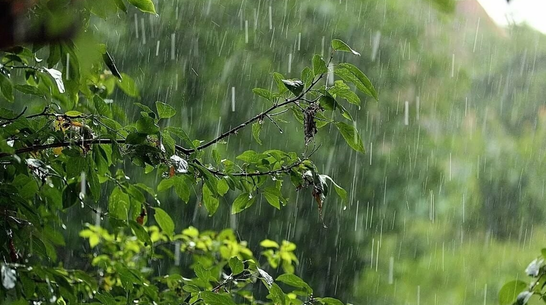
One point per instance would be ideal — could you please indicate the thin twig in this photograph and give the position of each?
(43, 113)
(283, 169)
(274, 122)
(256, 117)
(39, 147)
(16, 117)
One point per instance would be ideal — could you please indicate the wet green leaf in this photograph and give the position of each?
(268, 95)
(223, 187)
(166, 184)
(211, 203)
(319, 66)
(342, 193)
(351, 136)
(351, 73)
(276, 295)
(147, 125)
(307, 76)
(146, 6)
(256, 128)
(127, 84)
(6, 87)
(118, 204)
(339, 45)
(236, 265)
(279, 81)
(212, 298)
(341, 90)
(330, 301)
(164, 111)
(182, 188)
(273, 196)
(295, 86)
(242, 202)
(140, 232)
(164, 221)
(510, 291)
(267, 243)
(54, 55)
(294, 281)
(70, 195)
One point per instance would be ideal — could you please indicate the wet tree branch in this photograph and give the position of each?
(257, 117)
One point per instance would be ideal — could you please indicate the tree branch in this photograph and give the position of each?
(260, 115)
(39, 147)
(283, 169)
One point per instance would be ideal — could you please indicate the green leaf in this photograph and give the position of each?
(510, 291)
(294, 281)
(118, 204)
(181, 134)
(168, 143)
(223, 187)
(27, 89)
(164, 111)
(307, 76)
(202, 273)
(73, 113)
(127, 84)
(276, 295)
(54, 55)
(268, 95)
(256, 128)
(295, 86)
(58, 77)
(182, 188)
(273, 196)
(70, 195)
(342, 193)
(236, 265)
(330, 301)
(147, 125)
(267, 243)
(166, 184)
(105, 298)
(212, 298)
(319, 66)
(242, 202)
(140, 232)
(364, 84)
(121, 5)
(248, 156)
(4, 147)
(101, 107)
(341, 90)
(351, 136)
(164, 221)
(209, 179)
(328, 102)
(6, 87)
(279, 80)
(211, 203)
(147, 6)
(339, 45)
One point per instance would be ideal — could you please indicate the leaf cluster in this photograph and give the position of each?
(71, 153)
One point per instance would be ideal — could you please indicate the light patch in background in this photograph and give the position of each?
(532, 12)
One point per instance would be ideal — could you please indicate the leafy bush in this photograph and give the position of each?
(71, 150)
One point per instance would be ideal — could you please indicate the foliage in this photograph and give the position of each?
(74, 151)
(518, 292)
